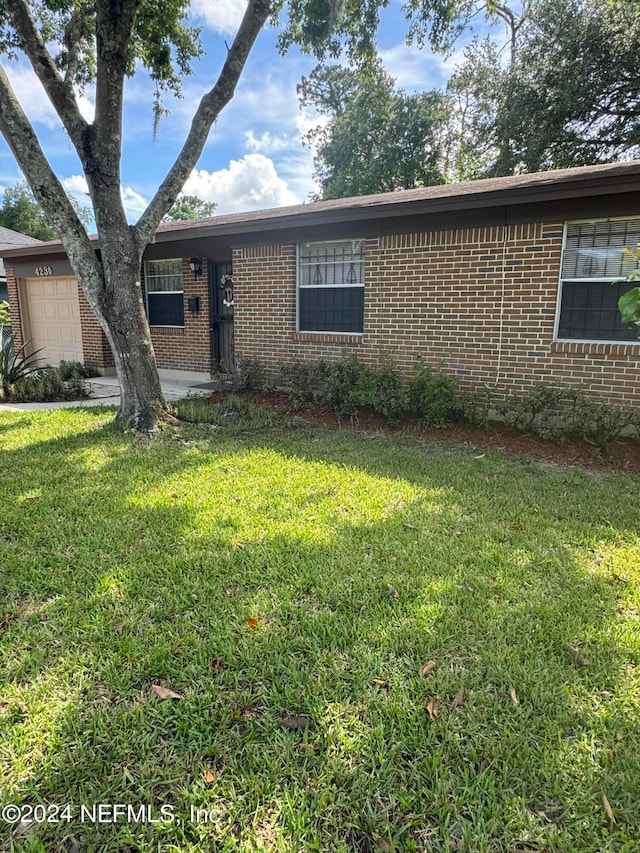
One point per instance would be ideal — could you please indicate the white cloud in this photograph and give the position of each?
(269, 143)
(222, 16)
(34, 100)
(419, 69)
(251, 183)
(134, 203)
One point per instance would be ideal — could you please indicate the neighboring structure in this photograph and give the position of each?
(503, 282)
(8, 240)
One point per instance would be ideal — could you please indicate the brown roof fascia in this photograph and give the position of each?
(579, 182)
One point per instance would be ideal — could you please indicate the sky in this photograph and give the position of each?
(255, 156)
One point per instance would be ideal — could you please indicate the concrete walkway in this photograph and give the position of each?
(105, 391)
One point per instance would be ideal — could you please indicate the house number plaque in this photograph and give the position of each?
(43, 271)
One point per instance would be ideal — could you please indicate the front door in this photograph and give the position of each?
(221, 302)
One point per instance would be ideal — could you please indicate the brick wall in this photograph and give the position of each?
(14, 309)
(95, 346)
(439, 295)
(187, 348)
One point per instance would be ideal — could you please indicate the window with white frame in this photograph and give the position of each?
(165, 294)
(331, 287)
(592, 265)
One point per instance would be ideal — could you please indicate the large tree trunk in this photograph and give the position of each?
(120, 310)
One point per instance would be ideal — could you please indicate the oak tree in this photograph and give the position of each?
(70, 44)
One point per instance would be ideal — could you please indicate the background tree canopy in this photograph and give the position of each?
(560, 88)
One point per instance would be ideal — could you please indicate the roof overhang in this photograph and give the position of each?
(520, 190)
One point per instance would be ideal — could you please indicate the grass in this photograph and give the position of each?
(290, 582)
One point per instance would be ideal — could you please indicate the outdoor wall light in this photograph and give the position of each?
(196, 266)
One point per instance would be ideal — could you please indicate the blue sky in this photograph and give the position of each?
(255, 157)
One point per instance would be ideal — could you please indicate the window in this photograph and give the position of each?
(163, 284)
(592, 264)
(331, 287)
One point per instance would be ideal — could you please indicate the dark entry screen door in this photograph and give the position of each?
(221, 301)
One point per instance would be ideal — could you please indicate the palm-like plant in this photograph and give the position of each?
(15, 366)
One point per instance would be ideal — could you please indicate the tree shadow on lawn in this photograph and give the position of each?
(265, 583)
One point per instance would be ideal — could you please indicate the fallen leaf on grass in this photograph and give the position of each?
(393, 592)
(383, 844)
(165, 693)
(480, 456)
(619, 736)
(427, 668)
(609, 812)
(576, 655)
(209, 777)
(216, 664)
(409, 526)
(241, 545)
(229, 592)
(378, 682)
(484, 763)
(433, 707)
(253, 623)
(308, 747)
(459, 698)
(514, 697)
(5, 621)
(295, 723)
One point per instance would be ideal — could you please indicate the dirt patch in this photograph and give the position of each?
(624, 456)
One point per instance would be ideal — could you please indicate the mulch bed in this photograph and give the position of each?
(624, 456)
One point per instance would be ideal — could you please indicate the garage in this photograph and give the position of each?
(53, 319)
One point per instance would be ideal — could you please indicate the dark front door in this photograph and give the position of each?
(221, 301)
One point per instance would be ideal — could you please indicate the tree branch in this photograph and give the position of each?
(47, 189)
(212, 103)
(60, 94)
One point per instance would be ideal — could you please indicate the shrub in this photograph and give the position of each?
(5, 317)
(47, 385)
(297, 379)
(15, 366)
(250, 375)
(338, 385)
(382, 389)
(434, 396)
(70, 370)
(602, 424)
(546, 411)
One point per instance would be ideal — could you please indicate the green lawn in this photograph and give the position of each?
(288, 575)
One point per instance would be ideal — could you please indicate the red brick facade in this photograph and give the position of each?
(479, 302)
(187, 348)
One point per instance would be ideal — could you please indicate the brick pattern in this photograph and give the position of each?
(187, 348)
(439, 295)
(14, 308)
(95, 346)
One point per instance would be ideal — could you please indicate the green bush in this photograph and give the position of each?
(5, 317)
(250, 375)
(603, 424)
(15, 366)
(47, 385)
(297, 379)
(434, 396)
(70, 370)
(546, 411)
(561, 413)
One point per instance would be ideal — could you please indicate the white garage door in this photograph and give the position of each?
(54, 317)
